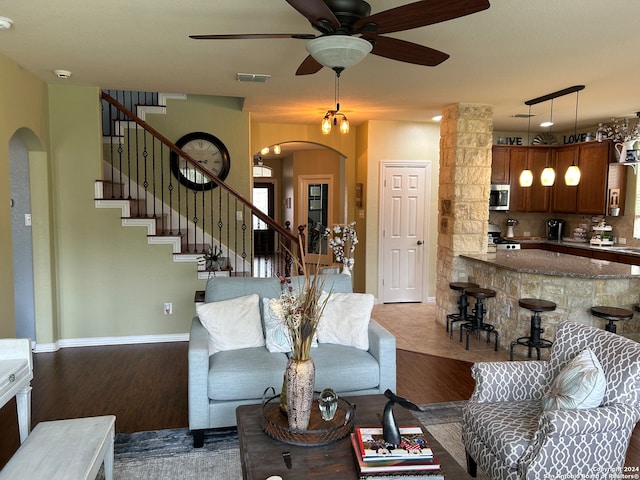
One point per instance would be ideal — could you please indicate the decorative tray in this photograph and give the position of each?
(320, 432)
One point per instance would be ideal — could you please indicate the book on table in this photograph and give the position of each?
(373, 448)
(425, 466)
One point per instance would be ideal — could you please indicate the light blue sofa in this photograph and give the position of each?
(221, 382)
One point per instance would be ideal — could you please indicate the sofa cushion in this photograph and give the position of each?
(232, 324)
(345, 369)
(580, 384)
(333, 282)
(345, 320)
(245, 374)
(506, 428)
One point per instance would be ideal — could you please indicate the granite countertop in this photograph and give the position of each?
(624, 249)
(559, 264)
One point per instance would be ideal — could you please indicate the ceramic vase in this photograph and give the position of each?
(300, 379)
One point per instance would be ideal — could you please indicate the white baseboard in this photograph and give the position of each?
(103, 341)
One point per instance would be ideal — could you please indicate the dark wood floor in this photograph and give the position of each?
(145, 386)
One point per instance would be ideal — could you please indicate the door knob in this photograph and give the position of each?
(419, 242)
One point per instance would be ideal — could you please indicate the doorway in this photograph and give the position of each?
(315, 209)
(22, 240)
(403, 252)
(263, 236)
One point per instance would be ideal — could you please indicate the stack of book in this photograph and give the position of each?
(376, 459)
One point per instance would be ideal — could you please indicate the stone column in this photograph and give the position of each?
(463, 197)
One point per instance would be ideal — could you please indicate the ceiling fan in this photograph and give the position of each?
(339, 20)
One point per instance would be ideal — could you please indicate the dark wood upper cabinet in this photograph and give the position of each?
(500, 165)
(598, 177)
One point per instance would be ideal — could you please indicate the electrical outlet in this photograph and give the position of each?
(622, 240)
(168, 308)
(27, 219)
(507, 309)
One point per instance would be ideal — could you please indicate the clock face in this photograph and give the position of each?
(209, 152)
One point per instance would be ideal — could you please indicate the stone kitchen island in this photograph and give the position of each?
(574, 283)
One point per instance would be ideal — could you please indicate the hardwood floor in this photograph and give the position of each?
(145, 386)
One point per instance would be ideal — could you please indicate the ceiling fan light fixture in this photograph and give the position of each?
(326, 124)
(338, 51)
(344, 125)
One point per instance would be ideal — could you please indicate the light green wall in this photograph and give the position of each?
(96, 278)
(111, 282)
(23, 110)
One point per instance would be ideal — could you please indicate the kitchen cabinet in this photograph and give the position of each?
(500, 164)
(598, 177)
(591, 197)
(536, 197)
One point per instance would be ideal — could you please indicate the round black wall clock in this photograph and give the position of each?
(209, 152)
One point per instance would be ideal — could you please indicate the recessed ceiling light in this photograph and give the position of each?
(5, 23)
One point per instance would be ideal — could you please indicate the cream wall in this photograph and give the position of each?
(23, 98)
(399, 142)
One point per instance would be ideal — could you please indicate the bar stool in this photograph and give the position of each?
(613, 314)
(536, 305)
(463, 303)
(477, 323)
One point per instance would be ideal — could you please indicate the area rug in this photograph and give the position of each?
(169, 454)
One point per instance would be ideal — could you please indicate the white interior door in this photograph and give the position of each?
(403, 233)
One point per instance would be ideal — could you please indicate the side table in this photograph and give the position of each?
(16, 373)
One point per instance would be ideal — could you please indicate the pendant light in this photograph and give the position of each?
(572, 175)
(548, 175)
(330, 118)
(526, 176)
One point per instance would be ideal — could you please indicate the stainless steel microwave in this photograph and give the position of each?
(499, 197)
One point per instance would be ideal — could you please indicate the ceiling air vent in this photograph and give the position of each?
(252, 77)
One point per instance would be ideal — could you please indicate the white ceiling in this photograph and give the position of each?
(514, 51)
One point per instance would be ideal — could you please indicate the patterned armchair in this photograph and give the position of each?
(507, 434)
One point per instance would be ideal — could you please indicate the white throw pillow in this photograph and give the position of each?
(345, 320)
(232, 324)
(580, 384)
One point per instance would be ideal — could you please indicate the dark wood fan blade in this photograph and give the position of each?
(243, 36)
(318, 13)
(309, 66)
(404, 51)
(419, 14)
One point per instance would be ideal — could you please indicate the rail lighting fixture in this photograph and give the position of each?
(547, 178)
(330, 118)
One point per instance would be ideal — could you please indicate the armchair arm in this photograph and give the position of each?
(382, 345)
(595, 439)
(198, 359)
(509, 381)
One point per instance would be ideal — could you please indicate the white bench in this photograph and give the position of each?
(16, 373)
(65, 450)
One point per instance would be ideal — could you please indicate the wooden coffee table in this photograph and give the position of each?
(262, 456)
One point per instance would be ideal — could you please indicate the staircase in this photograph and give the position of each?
(137, 179)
